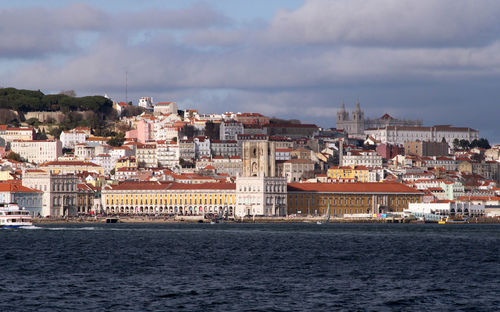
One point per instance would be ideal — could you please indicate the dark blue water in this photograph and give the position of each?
(250, 267)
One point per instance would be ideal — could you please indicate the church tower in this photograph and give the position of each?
(358, 118)
(342, 117)
(259, 158)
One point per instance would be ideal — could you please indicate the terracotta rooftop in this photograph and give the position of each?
(376, 187)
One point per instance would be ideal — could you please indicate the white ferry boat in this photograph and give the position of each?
(12, 216)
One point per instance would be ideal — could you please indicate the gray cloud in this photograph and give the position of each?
(393, 23)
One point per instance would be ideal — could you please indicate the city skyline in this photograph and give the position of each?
(440, 64)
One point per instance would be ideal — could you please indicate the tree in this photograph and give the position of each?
(456, 144)
(188, 131)
(464, 144)
(14, 156)
(212, 130)
(70, 93)
(130, 111)
(117, 140)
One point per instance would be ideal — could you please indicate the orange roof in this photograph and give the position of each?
(375, 187)
(154, 185)
(12, 187)
(68, 163)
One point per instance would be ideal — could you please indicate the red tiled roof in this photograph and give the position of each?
(376, 187)
(11, 187)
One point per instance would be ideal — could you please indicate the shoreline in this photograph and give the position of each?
(196, 219)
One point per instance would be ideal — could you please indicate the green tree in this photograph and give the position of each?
(117, 140)
(14, 156)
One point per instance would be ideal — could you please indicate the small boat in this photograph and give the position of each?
(13, 217)
(452, 221)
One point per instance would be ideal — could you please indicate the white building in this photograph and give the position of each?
(27, 198)
(428, 210)
(202, 147)
(73, 137)
(59, 191)
(167, 154)
(146, 102)
(400, 135)
(261, 196)
(11, 134)
(361, 158)
(165, 108)
(105, 161)
(37, 151)
(229, 130)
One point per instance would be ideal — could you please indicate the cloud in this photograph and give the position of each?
(32, 32)
(392, 23)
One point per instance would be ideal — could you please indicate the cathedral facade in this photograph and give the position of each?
(355, 123)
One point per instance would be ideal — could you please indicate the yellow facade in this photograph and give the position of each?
(125, 163)
(355, 173)
(168, 201)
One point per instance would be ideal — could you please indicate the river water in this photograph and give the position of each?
(250, 267)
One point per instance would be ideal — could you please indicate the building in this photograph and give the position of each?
(146, 156)
(146, 102)
(260, 196)
(351, 174)
(357, 125)
(27, 198)
(230, 129)
(172, 198)
(226, 148)
(350, 198)
(167, 154)
(259, 158)
(400, 135)
(9, 134)
(59, 191)
(37, 151)
(388, 151)
(435, 211)
(295, 170)
(202, 147)
(232, 166)
(187, 149)
(294, 131)
(426, 148)
(365, 158)
(252, 119)
(71, 138)
(165, 108)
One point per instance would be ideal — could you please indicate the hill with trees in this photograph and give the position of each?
(29, 101)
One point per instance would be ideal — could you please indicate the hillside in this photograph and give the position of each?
(28, 100)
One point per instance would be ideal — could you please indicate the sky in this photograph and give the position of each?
(438, 61)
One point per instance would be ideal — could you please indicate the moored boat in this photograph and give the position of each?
(12, 216)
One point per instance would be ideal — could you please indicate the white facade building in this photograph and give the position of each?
(146, 102)
(165, 108)
(445, 209)
(38, 151)
(59, 191)
(71, 138)
(362, 158)
(167, 154)
(400, 135)
(261, 196)
(229, 130)
(202, 147)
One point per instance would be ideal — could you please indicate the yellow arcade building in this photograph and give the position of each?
(172, 198)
